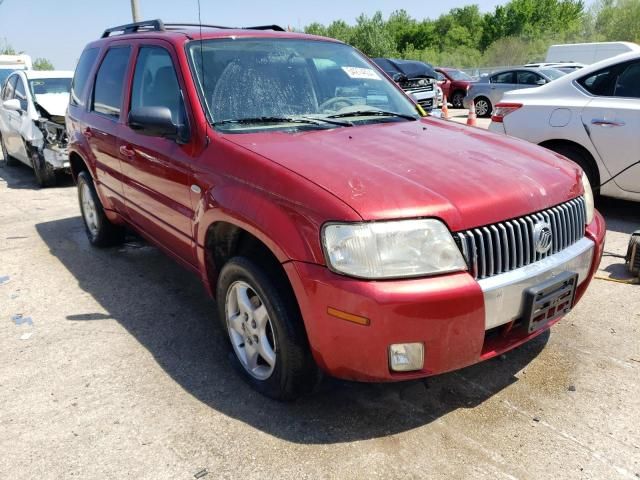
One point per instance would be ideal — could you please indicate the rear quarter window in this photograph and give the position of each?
(81, 76)
(108, 87)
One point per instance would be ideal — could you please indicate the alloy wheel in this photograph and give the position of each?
(89, 210)
(250, 330)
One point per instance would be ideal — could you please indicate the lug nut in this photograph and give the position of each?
(253, 324)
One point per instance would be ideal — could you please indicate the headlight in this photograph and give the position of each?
(588, 198)
(403, 248)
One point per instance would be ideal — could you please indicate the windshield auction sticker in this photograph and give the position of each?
(357, 72)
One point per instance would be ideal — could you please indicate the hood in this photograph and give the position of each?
(54, 103)
(429, 168)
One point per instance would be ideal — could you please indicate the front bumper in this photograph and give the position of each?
(459, 320)
(57, 157)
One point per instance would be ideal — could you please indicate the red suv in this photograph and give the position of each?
(339, 231)
(454, 84)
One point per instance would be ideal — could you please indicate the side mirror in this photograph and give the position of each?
(12, 104)
(541, 81)
(153, 121)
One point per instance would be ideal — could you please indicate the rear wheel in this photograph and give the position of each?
(483, 107)
(456, 100)
(267, 335)
(8, 159)
(45, 174)
(100, 231)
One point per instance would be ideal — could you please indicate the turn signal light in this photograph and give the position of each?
(501, 110)
(349, 317)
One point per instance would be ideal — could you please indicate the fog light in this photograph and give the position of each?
(405, 357)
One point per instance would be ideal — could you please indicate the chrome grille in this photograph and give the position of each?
(509, 245)
(419, 89)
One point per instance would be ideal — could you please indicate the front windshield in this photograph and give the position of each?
(459, 75)
(553, 73)
(252, 83)
(46, 86)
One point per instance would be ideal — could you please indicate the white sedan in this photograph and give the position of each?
(32, 121)
(591, 116)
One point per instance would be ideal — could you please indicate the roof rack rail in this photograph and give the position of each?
(148, 25)
(275, 28)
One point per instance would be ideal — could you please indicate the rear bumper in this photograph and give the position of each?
(456, 317)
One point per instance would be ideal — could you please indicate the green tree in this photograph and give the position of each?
(42, 64)
(618, 20)
(6, 49)
(371, 36)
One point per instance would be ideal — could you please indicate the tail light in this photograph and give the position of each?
(501, 110)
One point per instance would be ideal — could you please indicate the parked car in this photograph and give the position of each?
(566, 67)
(11, 63)
(588, 53)
(32, 127)
(591, 116)
(489, 90)
(416, 78)
(328, 218)
(454, 84)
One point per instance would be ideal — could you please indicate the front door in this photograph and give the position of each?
(157, 171)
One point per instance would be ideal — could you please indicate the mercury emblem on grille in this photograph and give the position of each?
(542, 237)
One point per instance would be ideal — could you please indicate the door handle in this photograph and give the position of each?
(87, 133)
(127, 151)
(599, 122)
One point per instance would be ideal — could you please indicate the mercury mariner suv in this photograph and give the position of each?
(339, 231)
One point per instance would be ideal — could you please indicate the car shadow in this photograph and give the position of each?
(622, 216)
(165, 308)
(21, 176)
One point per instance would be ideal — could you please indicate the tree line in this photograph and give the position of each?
(515, 33)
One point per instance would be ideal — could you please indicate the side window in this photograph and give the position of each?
(505, 77)
(528, 78)
(628, 84)
(21, 94)
(155, 83)
(9, 88)
(81, 75)
(107, 92)
(600, 83)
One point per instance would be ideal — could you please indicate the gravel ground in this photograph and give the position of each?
(117, 370)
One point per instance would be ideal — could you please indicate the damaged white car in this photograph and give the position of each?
(32, 129)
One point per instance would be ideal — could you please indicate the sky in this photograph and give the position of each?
(58, 30)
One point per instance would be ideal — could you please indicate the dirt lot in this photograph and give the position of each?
(122, 373)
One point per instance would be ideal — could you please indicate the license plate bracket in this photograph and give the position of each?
(549, 300)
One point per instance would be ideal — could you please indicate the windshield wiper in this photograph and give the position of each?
(266, 119)
(376, 113)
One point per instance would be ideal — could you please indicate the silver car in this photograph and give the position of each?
(488, 91)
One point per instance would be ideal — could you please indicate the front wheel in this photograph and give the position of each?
(483, 107)
(267, 336)
(457, 99)
(45, 174)
(100, 231)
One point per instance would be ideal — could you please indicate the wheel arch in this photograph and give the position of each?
(77, 164)
(588, 157)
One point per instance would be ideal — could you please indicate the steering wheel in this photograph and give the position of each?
(336, 100)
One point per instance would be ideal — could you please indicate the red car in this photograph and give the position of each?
(454, 84)
(339, 231)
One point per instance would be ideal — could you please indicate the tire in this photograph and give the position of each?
(100, 231)
(483, 107)
(254, 303)
(8, 159)
(457, 100)
(577, 156)
(45, 174)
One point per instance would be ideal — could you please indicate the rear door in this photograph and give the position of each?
(19, 123)
(157, 171)
(106, 121)
(500, 83)
(8, 117)
(612, 119)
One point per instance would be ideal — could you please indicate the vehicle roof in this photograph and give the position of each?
(35, 74)
(594, 67)
(178, 34)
